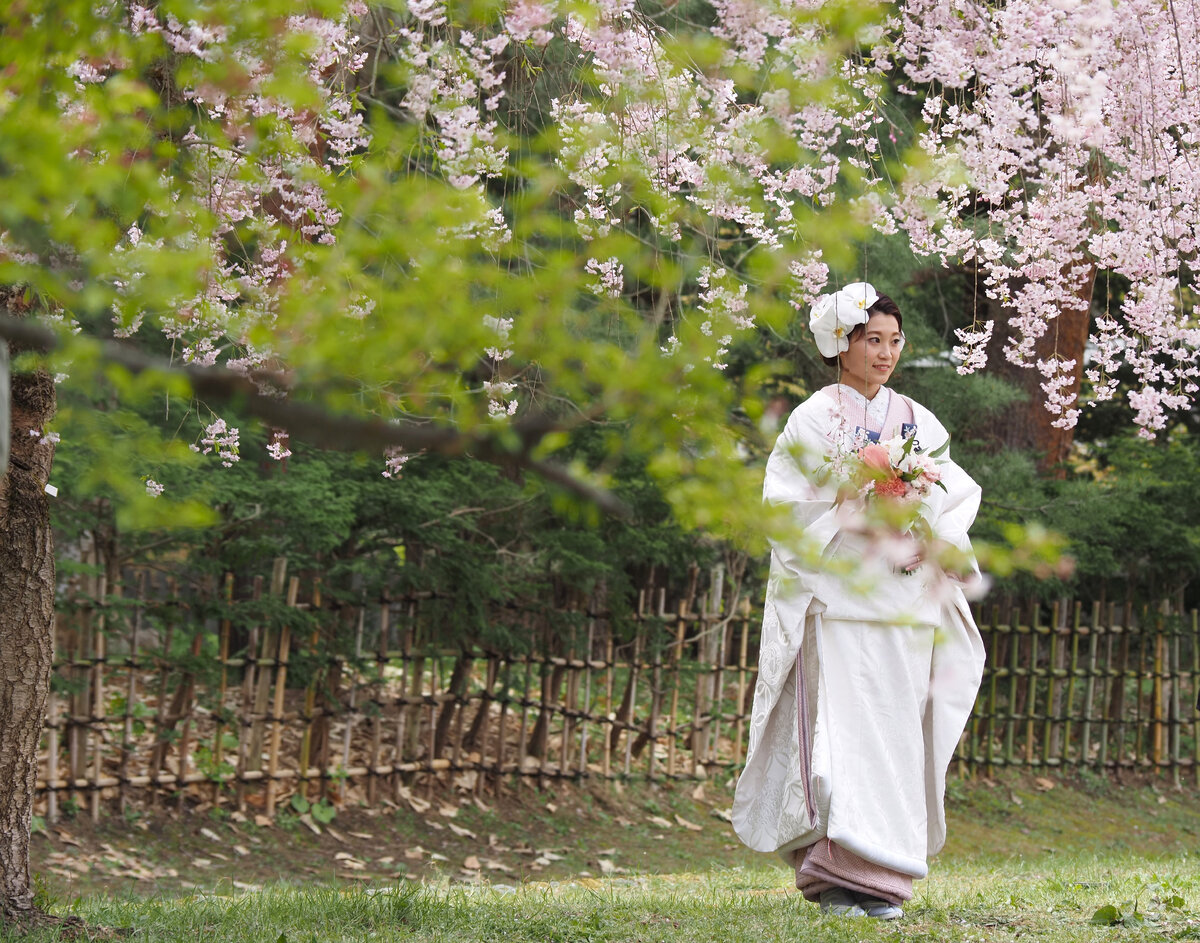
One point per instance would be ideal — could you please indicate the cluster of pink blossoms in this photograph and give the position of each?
(1064, 142)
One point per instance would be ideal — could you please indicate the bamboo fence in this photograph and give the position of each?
(249, 716)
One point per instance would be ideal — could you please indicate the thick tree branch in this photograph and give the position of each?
(316, 425)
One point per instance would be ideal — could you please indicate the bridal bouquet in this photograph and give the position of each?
(895, 469)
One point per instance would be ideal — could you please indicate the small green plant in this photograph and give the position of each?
(37, 825)
(322, 810)
(1110, 915)
(207, 763)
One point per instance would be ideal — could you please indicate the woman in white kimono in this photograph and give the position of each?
(870, 659)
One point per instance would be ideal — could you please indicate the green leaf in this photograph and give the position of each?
(324, 812)
(941, 449)
(300, 804)
(1107, 916)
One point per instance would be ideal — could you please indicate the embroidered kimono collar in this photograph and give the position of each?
(876, 409)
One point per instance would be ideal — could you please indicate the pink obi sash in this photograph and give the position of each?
(854, 413)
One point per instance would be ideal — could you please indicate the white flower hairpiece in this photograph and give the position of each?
(835, 315)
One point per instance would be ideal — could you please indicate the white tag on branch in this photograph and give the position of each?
(51, 490)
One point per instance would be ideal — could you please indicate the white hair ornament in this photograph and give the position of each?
(835, 315)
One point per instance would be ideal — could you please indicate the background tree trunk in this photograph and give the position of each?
(1028, 425)
(26, 629)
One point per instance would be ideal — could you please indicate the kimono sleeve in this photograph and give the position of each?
(791, 482)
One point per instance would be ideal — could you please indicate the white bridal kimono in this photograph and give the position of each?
(861, 697)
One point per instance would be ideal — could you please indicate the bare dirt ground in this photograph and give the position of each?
(570, 832)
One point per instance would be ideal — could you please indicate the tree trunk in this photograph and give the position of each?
(26, 631)
(1029, 425)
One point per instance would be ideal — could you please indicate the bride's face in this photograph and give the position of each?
(872, 356)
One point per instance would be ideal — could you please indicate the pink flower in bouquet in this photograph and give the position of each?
(876, 457)
(891, 487)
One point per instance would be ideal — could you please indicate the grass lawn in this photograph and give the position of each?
(645, 864)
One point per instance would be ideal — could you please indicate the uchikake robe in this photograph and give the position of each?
(866, 679)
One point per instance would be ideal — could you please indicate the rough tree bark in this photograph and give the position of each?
(26, 627)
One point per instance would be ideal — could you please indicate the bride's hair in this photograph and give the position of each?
(883, 305)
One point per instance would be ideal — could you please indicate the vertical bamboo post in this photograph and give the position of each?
(568, 704)
(404, 638)
(587, 698)
(502, 723)
(606, 757)
(1051, 685)
(1175, 675)
(676, 658)
(218, 750)
(1014, 668)
(718, 683)
(743, 650)
(523, 732)
(1089, 692)
(656, 671)
(133, 664)
(262, 693)
(1033, 673)
(989, 744)
(281, 663)
(184, 698)
(352, 698)
(1072, 684)
(164, 671)
(98, 708)
(483, 721)
(1113, 682)
(310, 698)
(434, 706)
(377, 720)
(634, 668)
(249, 685)
(1161, 661)
(1195, 631)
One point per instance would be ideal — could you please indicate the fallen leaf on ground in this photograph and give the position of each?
(449, 811)
(471, 863)
(367, 836)
(690, 826)
(726, 815)
(462, 832)
(659, 821)
(698, 793)
(1044, 784)
(211, 835)
(337, 836)
(415, 853)
(241, 850)
(307, 819)
(263, 821)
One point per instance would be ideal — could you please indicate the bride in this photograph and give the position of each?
(869, 660)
